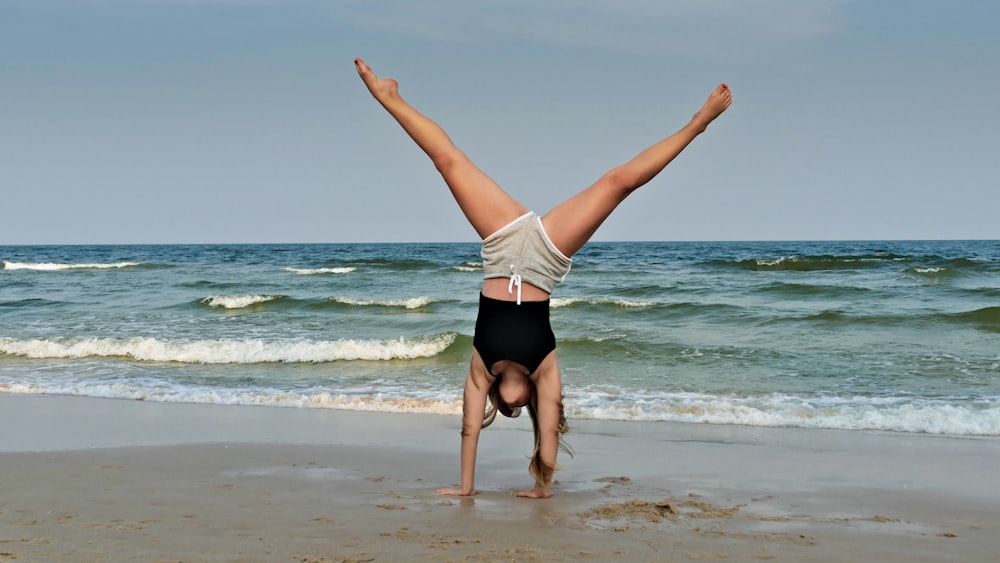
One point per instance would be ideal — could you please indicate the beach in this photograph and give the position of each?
(87, 479)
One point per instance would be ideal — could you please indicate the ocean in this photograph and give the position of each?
(892, 336)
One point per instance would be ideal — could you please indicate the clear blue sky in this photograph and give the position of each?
(189, 121)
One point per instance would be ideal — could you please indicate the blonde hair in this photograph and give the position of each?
(538, 469)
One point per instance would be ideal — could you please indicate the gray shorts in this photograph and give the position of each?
(522, 250)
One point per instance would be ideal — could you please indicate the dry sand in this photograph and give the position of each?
(103, 480)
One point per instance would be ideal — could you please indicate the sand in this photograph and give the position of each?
(107, 480)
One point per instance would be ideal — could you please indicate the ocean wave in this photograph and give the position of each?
(469, 267)
(962, 263)
(986, 318)
(610, 343)
(663, 311)
(171, 393)
(403, 264)
(610, 337)
(647, 290)
(318, 271)
(809, 263)
(237, 301)
(937, 266)
(892, 414)
(802, 290)
(229, 351)
(208, 284)
(933, 273)
(30, 302)
(412, 303)
(50, 267)
(615, 301)
(917, 265)
(779, 410)
(991, 292)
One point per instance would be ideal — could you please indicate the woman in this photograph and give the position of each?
(524, 256)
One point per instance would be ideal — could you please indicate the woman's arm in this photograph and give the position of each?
(548, 388)
(473, 407)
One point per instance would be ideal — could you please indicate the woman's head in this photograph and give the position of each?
(507, 398)
(511, 389)
(514, 388)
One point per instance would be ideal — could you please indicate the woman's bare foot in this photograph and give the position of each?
(458, 492)
(718, 101)
(381, 88)
(540, 491)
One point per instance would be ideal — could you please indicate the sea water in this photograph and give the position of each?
(897, 336)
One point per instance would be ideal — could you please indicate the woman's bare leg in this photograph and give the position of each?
(571, 223)
(484, 203)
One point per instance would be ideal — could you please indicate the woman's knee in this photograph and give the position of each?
(621, 182)
(448, 160)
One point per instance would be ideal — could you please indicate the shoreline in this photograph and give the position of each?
(111, 480)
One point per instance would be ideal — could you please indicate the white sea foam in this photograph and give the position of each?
(50, 267)
(856, 413)
(469, 267)
(626, 303)
(237, 301)
(779, 410)
(412, 303)
(229, 351)
(315, 271)
(172, 393)
(608, 338)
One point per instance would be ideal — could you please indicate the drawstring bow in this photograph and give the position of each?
(515, 279)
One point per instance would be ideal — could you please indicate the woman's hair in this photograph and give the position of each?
(541, 471)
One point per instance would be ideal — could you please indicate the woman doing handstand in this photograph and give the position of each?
(524, 257)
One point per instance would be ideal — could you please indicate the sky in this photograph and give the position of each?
(244, 121)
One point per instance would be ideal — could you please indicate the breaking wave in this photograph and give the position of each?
(225, 351)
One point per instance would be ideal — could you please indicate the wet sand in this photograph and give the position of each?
(107, 480)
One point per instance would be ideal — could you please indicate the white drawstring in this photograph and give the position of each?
(515, 279)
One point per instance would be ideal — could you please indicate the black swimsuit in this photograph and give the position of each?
(519, 333)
